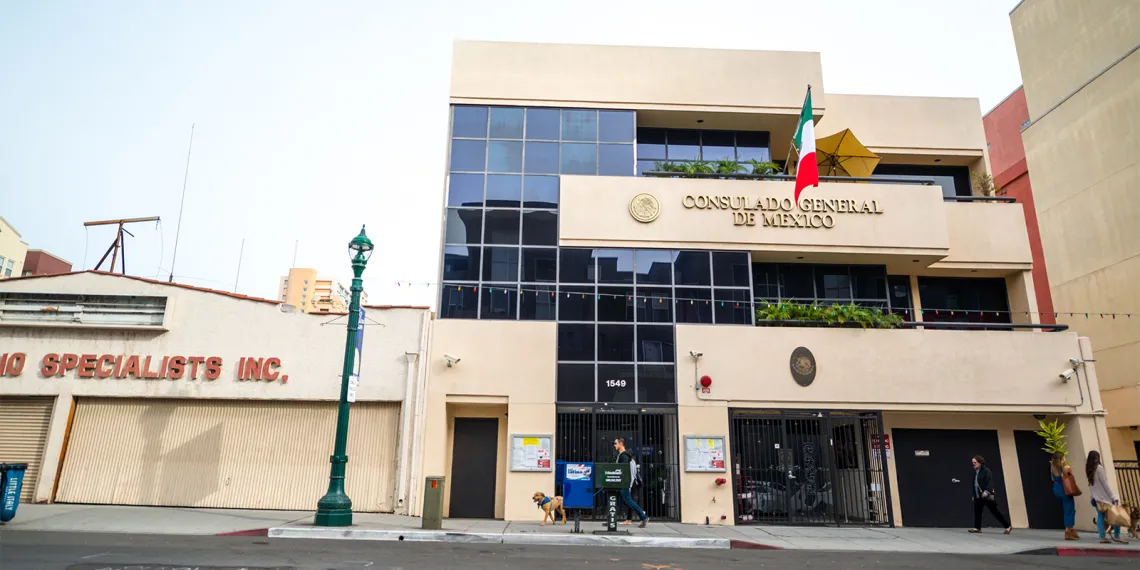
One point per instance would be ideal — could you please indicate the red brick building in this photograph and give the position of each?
(40, 262)
(1003, 125)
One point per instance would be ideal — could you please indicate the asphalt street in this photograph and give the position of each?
(32, 550)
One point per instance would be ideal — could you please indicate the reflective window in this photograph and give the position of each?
(616, 126)
(616, 383)
(655, 343)
(575, 342)
(541, 158)
(615, 343)
(654, 267)
(469, 122)
(540, 227)
(470, 156)
(463, 226)
(615, 265)
(458, 302)
(538, 303)
(694, 305)
(615, 160)
(954, 180)
(461, 263)
(579, 158)
(579, 125)
(577, 265)
(651, 144)
(692, 268)
(504, 190)
(655, 383)
(615, 304)
(960, 299)
(718, 145)
(465, 190)
(501, 264)
(540, 191)
(498, 302)
(504, 156)
(825, 284)
(575, 382)
(654, 305)
(731, 269)
(576, 303)
(539, 264)
(658, 145)
(501, 227)
(732, 306)
(542, 124)
(506, 123)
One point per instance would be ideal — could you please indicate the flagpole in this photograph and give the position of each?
(792, 143)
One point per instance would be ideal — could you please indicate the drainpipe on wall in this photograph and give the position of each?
(417, 435)
(405, 437)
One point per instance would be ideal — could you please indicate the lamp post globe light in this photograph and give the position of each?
(335, 508)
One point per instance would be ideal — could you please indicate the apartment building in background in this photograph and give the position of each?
(587, 295)
(304, 289)
(13, 250)
(40, 262)
(1081, 72)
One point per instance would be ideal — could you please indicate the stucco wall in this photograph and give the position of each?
(311, 347)
(12, 248)
(907, 124)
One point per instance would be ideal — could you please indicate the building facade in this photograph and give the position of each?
(304, 289)
(13, 249)
(1003, 125)
(584, 297)
(1081, 73)
(122, 390)
(40, 262)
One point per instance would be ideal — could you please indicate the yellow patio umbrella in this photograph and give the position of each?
(842, 154)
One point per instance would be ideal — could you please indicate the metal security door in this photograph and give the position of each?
(587, 434)
(809, 468)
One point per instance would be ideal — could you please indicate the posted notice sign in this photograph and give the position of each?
(531, 453)
(704, 453)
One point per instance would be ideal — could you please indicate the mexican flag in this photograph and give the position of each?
(807, 171)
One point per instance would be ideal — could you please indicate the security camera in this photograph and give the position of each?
(1066, 376)
(696, 354)
(451, 360)
(1075, 362)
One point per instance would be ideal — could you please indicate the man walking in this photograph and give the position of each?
(624, 456)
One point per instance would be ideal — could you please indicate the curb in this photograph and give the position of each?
(510, 538)
(250, 532)
(747, 545)
(1072, 551)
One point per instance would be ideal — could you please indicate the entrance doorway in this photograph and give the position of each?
(1042, 507)
(936, 479)
(475, 447)
(587, 434)
(802, 467)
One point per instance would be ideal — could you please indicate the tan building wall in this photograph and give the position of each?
(13, 250)
(1083, 92)
(209, 324)
(310, 293)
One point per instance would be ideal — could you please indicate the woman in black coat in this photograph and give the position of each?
(984, 496)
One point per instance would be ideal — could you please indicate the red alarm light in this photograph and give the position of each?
(706, 381)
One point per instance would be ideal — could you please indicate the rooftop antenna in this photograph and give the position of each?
(118, 244)
(295, 244)
(240, 254)
(178, 229)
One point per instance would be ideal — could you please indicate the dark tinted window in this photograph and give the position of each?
(504, 156)
(461, 263)
(540, 191)
(954, 180)
(615, 343)
(465, 190)
(683, 144)
(655, 343)
(654, 305)
(651, 144)
(542, 124)
(468, 155)
(541, 158)
(868, 281)
(691, 268)
(615, 304)
(540, 228)
(501, 227)
(469, 122)
(538, 303)
(501, 264)
(718, 145)
(463, 226)
(731, 269)
(694, 305)
(948, 299)
(575, 382)
(899, 294)
(576, 303)
(579, 158)
(615, 160)
(506, 123)
(732, 306)
(654, 267)
(616, 383)
(797, 281)
(499, 302)
(656, 384)
(765, 281)
(575, 342)
(577, 265)
(504, 191)
(615, 265)
(539, 264)
(833, 283)
(615, 126)
(458, 302)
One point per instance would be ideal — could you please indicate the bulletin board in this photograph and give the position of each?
(532, 452)
(704, 453)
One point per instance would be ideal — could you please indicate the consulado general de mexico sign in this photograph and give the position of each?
(812, 213)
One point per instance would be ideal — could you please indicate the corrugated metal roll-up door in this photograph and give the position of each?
(23, 434)
(226, 454)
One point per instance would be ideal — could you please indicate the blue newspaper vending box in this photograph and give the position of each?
(11, 481)
(577, 485)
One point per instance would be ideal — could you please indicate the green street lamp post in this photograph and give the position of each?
(335, 508)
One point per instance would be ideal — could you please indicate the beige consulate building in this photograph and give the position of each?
(585, 296)
(127, 391)
(1081, 69)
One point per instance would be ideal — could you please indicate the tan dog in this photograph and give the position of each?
(549, 505)
(1134, 522)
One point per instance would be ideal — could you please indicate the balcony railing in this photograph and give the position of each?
(786, 177)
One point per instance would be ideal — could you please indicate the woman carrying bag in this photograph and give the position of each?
(1103, 497)
(984, 496)
(1065, 488)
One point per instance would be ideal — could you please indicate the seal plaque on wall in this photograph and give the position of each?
(644, 208)
(803, 366)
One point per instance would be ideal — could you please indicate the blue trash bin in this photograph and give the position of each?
(11, 481)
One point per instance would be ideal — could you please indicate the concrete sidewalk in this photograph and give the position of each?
(386, 527)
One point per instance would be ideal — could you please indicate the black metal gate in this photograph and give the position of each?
(809, 468)
(1128, 481)
(587, 434)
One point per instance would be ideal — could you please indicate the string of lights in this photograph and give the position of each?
(551, 291)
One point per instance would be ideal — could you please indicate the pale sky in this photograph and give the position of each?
(314, 118)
